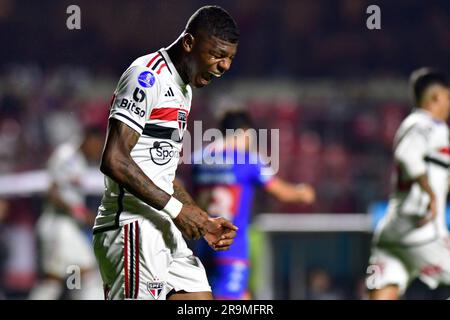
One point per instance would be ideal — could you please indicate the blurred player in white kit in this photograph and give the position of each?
(62, 241)
(412, 239)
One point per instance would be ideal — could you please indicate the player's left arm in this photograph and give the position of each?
(288, 192)
(220, 232)
(180, 192)
(410, 153)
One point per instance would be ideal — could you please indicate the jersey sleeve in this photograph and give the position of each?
(410, 152)
(262, 174)
(55, 172)
(135, 96)
(59, 170)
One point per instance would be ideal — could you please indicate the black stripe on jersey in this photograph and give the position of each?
(131, 258)
(162, 56)
(157, 63)
(406, 245)
(437, 162)
(160, 132)
(170, 89)
(413, 127)
(128, 118)
(119, 204)
(119, 211)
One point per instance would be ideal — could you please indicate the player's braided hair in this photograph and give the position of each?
(215, 21)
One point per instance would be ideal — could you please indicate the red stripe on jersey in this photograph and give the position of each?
(168, 114)
(152, 60)
(444, 150)
(162, 66)
(136, 287)
(125, 248)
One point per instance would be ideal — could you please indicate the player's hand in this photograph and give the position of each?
(191, 221)
(306, 193)
(83, 215)
(220, 233)
(432, 212)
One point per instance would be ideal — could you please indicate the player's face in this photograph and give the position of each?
(210, 57)
(443, 97)
(93, 148)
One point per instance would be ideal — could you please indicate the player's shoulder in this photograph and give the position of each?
(140, 73)
(154, 62)
(145, 60)
(63, 152)
(418, 120)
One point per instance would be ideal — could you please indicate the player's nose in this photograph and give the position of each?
(224, 65)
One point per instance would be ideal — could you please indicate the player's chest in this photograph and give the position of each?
(439, 142)
(174, 96)
(173, 105)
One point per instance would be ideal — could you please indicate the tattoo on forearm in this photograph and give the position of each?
(122, 139)
(136, 182)
(181, 194)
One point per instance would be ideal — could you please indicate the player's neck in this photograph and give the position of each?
(434, 112)
(175, 52)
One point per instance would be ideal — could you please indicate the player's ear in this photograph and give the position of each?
(188, 42)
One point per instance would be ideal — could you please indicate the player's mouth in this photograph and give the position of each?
(207, 77)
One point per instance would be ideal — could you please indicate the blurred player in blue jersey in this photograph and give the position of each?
(226, 190)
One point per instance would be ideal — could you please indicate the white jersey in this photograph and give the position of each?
(421, 146)
(62, 242)
(66, 167)
(152, 99)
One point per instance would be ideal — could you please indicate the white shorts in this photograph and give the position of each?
(399, 265)
(63, 245)
(143, 260)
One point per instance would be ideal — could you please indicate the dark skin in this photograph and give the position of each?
(197, 59)
(192, 221)
(201, 57)
(214, 231)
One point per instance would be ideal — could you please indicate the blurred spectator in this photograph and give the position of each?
(320, 286)
(307, 38)
(3, 247)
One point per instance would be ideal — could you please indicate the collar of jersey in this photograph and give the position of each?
(172, 68)
(428, 113)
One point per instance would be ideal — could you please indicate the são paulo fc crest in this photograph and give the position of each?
(182, 122)
(155, 288)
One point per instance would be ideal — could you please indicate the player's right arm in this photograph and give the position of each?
(281, 189)
(60, 175)
(288, 192)
(135, 96)
(79, 212)
(410, 153)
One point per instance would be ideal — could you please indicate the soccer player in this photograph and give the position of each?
(138, 232)
(226, 190)
(64, 247)
(412, 239)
